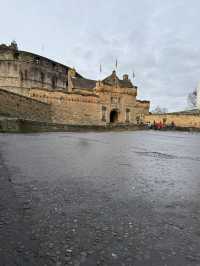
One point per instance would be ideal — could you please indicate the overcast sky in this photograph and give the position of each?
(157, 39)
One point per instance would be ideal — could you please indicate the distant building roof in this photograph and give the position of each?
(187, 112)
(113, 80)
(83, 83)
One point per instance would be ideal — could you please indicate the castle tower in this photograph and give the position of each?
(198, 96)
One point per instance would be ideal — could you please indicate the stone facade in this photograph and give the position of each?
(22, 69)
(71, 98)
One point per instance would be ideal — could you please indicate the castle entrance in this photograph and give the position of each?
(113, 116)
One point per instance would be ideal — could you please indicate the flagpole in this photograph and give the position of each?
(100, 71)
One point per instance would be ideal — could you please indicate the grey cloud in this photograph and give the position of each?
(158, 40)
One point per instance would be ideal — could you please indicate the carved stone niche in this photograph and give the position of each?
(115, 100)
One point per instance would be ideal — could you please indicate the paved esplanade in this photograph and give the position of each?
(122, 198)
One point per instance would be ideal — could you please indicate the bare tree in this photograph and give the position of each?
(159, 110)
(192, 99)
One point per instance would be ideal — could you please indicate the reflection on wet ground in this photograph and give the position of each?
(114, 198)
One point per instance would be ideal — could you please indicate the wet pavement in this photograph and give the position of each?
(114, 198)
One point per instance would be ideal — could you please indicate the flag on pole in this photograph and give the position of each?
(133, 75)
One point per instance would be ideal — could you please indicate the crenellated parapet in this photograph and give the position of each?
(102, 88)
(60, 97)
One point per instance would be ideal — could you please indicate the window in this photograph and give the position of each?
(26, 74)
(42, 77)
(16, 55)
(21, 76)
(54, 65)
(37, 60)
(54, 82)
(138, 119)
(127, 115)
(103, 113)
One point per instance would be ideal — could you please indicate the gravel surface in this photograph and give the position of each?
(121, 198)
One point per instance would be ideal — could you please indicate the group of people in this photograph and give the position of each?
(160, 125)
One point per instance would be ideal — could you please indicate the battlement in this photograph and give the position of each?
(143, 104)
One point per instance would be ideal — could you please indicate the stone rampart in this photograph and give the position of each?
(15, 105)
(70, 108)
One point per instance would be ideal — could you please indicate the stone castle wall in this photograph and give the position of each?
(71, 108)
(26, 70)
(83, 113)
(76, 108)
(67, 108)
(180, 120)
(15, 105)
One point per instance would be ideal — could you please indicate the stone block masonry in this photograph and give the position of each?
(15, 105)
(180, 120)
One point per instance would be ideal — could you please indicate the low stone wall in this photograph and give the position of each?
(14, 125)
(180, 120)
(15, 105)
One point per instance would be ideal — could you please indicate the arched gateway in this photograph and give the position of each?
(113, 116)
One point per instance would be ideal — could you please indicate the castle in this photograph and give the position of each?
(36, 88)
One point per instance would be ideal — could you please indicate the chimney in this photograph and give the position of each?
(125, 77)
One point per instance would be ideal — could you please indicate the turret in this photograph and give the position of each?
(125, 77)
(71, 74)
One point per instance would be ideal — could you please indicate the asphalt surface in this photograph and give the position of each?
(115, 198)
